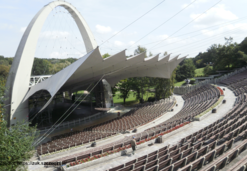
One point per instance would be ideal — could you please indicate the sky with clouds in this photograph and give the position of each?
(184, 27)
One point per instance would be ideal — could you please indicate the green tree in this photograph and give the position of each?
(16, 143)
(124, 87)
(207, 70)
(53, 69)
(187, 70)
(4, 71)
(10, 60)
(105, 55)
(4, 62)
(140, 50)
(243, 46)
(164, 87)
(41, 67)
(2, 83)
(139, 85)
(228, 56)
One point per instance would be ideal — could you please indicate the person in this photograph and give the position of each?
(133, 145)
(118, 114)
(71, 130)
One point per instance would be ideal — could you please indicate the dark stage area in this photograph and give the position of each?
(55, 111)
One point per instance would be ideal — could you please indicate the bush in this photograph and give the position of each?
(141, 100)
(207, 70)
(192, 81)
(151, 99)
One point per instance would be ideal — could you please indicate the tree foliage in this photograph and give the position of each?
(105, 55)
(228, 56)
(207, 70)
(186, 70)
(140, 50)
(16, 145)
(4, 71)
(124, 87)
(163, 88)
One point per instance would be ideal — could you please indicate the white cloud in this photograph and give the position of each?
(193, 5)
(215, 15)
(162, 37)
(103, 29)
(200, 1)
(184, 5)
(131, 42)
(165, 39)
(59, 55)
(23, 29)
(118, 43)
(6, 26)
(76, 55)
(236, 29)
(8, 7)
(54, 35)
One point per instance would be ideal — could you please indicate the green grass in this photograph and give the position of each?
(131, 99)
(199, 72)
(178, 84)
(80, 92)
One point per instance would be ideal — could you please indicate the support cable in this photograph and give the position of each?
(208, 38)
(39, 140)
(186, 24)
(133, 22)
(163, 23)
(46, 134)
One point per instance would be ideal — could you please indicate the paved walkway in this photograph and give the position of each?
(172, 140)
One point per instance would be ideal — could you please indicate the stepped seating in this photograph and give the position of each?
(208, 97)
(129, 120)
(211, 147)
(132, 120)
(202, 146)
(221, 161)
(241, 165)
(195, 103)
(235, 78)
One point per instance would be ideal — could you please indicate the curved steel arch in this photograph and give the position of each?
(18, 80)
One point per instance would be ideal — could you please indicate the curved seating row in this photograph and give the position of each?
(208, 90)
(195, 103)
(210, 148)
(129, 120)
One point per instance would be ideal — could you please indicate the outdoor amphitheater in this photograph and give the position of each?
(81, 126)
(203, 129)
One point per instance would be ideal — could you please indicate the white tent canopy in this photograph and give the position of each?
(92, 67)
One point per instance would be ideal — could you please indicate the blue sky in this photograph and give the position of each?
(60, 37)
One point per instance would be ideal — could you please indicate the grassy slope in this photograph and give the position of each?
(199, 72)
(177, 84)
(131, 99)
